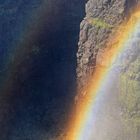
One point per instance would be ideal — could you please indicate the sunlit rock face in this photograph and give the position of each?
(118, 115)
(94, 36)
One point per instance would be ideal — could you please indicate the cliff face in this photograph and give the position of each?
(102, 17)
(96, 30)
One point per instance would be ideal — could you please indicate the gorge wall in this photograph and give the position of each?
(96, 31)
(94, 36)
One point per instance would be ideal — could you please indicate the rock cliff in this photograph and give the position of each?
(101, 18)
(96, 30)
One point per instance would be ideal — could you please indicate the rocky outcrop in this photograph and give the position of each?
(102, 17)
(96, 30)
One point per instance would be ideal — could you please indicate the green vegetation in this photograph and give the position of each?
(99, 23)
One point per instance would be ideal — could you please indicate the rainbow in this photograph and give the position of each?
(81, 125)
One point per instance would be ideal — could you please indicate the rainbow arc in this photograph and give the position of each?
(81, 124)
